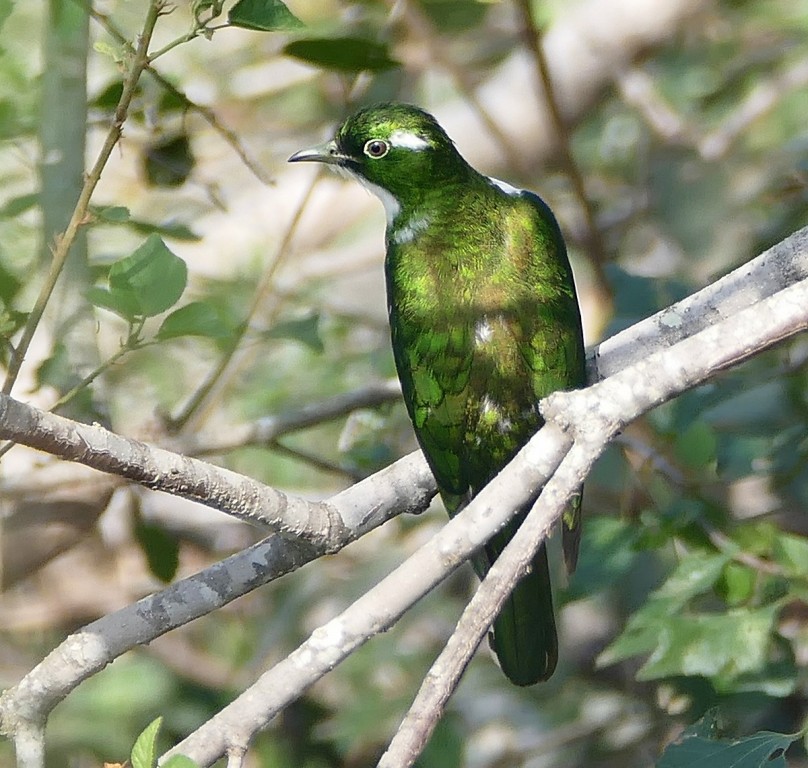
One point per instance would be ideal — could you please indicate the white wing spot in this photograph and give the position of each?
(483, 332)
(488, 406)
(408, 140)
(508, 189)
(409, 231)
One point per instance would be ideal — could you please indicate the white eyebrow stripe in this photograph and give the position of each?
(408, 140)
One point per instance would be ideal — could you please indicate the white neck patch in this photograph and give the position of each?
(391, 206)
(408, 140)
(508, 189)
(409, 231)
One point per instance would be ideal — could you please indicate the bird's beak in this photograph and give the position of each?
(322, 153)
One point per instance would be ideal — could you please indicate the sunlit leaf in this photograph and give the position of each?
(144, 751)
(263, 15)
(152, 274)
(763, 749)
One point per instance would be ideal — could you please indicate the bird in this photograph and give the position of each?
(484, 323)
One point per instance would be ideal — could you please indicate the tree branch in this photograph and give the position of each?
(405, 486)
(752, 308)
(593, 416)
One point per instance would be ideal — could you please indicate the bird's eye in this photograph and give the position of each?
(376, 148)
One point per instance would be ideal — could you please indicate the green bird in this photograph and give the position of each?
(484, 323)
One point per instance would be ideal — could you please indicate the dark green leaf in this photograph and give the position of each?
(168, 161)
(263, 15)
(108, 98)
(144, 751)
(306, 330)
(455, 15)
(344, 54)
(152, 274)
(116, 214)
(160, 547)
(198, 318)
(174, 231)
(9, 285)
(696, 446)
(18, 205)
(121, 302)
(762, 750)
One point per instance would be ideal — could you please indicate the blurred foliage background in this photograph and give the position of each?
(686, 123)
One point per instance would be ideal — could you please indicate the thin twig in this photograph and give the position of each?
(217, 376)
(593, 240)
(269, 428)
(205, 112)
(318, 462)
(139, 61)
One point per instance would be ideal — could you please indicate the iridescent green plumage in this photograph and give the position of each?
(484, 323)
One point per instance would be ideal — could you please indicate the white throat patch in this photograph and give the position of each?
(508, 189)
(408, 140)
(391, 206)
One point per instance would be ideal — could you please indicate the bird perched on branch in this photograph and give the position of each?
(484, 322)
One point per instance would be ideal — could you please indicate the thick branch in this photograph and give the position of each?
(379, 608)
(405, 486)
(590, 415)
(593, 416)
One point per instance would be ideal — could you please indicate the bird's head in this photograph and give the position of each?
(398, 151)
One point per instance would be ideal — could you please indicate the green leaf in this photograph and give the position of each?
(18, 205)
(115, 214)
(726, 644)
(9, 285)
(174, 231)
(198, 318)
(263, 15)
(791, 553)
(160, 547)
(306, 330)
(645, 630)
(123, 303)
(108, 98)
(152, 274)
(696, 446)
(180, 761)
(6, 6)
(344, 54)
(144, 752)
(737, 583)
(168, 161)
(761, 750)
(695, 574)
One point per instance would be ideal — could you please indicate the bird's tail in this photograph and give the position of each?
(524, 633)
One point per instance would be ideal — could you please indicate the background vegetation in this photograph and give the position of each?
(210, 286)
